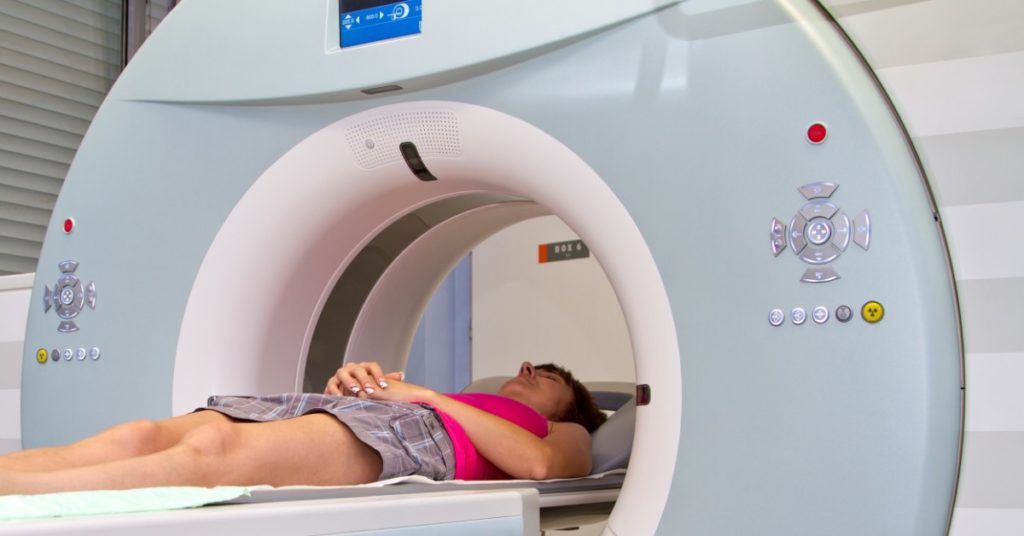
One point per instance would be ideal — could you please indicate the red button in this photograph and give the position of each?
(817, 133)
(69, 225)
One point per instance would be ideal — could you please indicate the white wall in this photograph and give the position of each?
(563, 312)
(15, 291)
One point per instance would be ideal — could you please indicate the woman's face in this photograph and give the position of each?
(542, 390)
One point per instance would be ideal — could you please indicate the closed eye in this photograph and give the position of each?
(552, 376)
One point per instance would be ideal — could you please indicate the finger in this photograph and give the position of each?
(339, 382)
(347, 380)
(378, 375)
(400, 376)
(363, 378)
(333, 386)
(374, 378)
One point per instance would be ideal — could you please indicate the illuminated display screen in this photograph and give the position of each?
(369, 21)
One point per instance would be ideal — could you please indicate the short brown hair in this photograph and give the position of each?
(583, 409)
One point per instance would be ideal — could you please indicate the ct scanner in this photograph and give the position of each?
(741, 177)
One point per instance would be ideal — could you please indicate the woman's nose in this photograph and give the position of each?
(526, 369)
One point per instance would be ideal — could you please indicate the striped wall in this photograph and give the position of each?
(15, 291)
(955, 71)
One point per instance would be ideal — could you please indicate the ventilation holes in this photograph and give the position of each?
(374, 143)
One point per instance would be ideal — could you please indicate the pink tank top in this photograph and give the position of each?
(469, 464)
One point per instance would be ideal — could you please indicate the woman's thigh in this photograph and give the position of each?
(314, 449)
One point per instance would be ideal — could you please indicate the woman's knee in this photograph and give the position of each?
(209, 451)
(135, 438)
(212, 440)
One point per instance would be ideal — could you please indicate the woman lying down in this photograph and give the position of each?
(368, 426)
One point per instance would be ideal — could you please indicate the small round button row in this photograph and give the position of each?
(67, 354)
(872, 312)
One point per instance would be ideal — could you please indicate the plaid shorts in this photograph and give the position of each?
(410, 438)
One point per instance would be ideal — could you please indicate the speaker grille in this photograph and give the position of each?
(374, 143)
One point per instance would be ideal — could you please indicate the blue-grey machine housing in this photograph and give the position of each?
(253, 202)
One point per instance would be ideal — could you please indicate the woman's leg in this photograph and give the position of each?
(315, 450)
(128, 440)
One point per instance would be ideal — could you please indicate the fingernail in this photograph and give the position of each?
(354, 388)
(369, 390)
(401, 375)
(383, 384)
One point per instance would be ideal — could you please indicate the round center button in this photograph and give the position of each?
(819, 231)
(820, 314)
(799, 315)
(67, 295)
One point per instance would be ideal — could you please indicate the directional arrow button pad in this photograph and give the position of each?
(820, 232)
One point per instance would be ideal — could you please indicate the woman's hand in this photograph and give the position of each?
(360, 379)
(368, 380)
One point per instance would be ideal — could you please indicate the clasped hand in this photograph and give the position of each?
(368, 380)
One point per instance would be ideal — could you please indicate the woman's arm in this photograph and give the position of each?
(564, 453)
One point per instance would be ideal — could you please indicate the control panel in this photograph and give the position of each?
(68, 298)
(818, 234)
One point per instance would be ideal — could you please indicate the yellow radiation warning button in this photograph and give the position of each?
(872, 312)
(41, 355)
